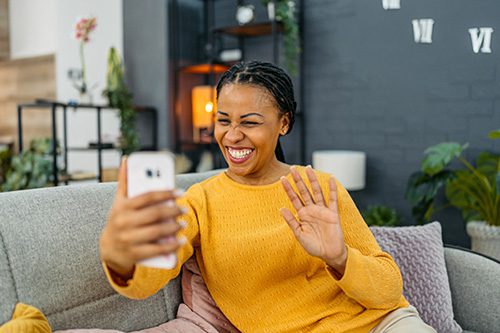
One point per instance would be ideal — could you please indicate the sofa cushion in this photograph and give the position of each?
(186, 322)
(419, 253)
(475, 286)
(50, 244)
(196, 295)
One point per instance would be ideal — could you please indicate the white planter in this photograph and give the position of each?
(485, 238)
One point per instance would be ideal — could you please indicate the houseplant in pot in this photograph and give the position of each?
(382, 216)
(424, 185)
(32, 168)
(284, 12)
(475, 191)
(120, 97)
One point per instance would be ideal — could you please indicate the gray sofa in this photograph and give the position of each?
(49, 259)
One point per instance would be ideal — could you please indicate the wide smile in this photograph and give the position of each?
(239, 155)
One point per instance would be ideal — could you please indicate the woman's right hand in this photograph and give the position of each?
(135, 227)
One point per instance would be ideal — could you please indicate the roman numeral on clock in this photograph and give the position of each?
(481, 36)
(422, 30)
(391, 4)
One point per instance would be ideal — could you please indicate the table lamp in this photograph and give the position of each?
(204, 104)
(349, 167)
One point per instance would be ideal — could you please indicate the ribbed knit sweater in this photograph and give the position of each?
(259, 274)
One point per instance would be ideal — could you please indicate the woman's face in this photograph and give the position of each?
(247, 126)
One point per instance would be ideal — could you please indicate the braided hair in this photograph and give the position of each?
(269, 77)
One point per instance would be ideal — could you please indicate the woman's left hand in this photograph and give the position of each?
(318, 226)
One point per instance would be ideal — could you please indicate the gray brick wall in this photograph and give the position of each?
(370, 87)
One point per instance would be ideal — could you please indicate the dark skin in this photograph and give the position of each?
(249, 123)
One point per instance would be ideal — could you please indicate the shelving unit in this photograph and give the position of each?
(211, 68)
(61, 175)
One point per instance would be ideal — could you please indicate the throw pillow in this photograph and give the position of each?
(196, 296)
(419, 253)
(26, 319)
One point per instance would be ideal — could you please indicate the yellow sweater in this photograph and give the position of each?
(261, 277)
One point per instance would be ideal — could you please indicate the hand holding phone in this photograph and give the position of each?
(137, 223)
(148, 172)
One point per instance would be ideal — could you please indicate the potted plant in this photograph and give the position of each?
(474, 190)
(378, 215)
(424, 185)
(284, 12)
(32, 168)
(83, 29)
(119, 97)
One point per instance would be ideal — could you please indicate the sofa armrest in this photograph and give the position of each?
(475, 288)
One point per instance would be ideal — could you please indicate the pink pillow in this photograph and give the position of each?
(197, 297)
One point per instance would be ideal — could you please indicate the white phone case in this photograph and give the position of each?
(152, 171)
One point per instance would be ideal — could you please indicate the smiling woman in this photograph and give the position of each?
(256, 107)
(247, 129)
(282, 244)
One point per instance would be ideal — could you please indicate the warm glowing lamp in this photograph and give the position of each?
(204, 104)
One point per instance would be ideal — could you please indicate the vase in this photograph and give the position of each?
(485, 238)
(85, 98)
(271, 10)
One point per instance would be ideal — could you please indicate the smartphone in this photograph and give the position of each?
(147, 172)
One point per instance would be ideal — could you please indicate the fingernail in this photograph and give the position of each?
(179, 192)
(183, 224)
(182, 240)
(184, 210)
(169, 239)
(309, 166)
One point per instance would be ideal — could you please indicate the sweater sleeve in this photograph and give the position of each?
(371, 277)
(146, 281)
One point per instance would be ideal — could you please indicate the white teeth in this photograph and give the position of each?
(240, 153)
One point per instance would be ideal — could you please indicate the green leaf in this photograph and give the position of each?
(498, 183)
(487, 164)
(381, 216)
(439, 156)
(422, 187)
(421, 210)
(119, 97)
(470, 193)
(494, 134)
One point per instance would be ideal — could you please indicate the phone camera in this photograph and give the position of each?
(153, 173)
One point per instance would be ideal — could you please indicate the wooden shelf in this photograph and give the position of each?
(91, 148)
(205, 69)
(78, 176)
(251, 30)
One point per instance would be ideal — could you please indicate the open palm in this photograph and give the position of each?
(317, 225)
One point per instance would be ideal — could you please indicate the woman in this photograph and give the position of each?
(321, 271)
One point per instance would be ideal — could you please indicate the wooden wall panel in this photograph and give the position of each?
(22, 81)
(4, 30)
